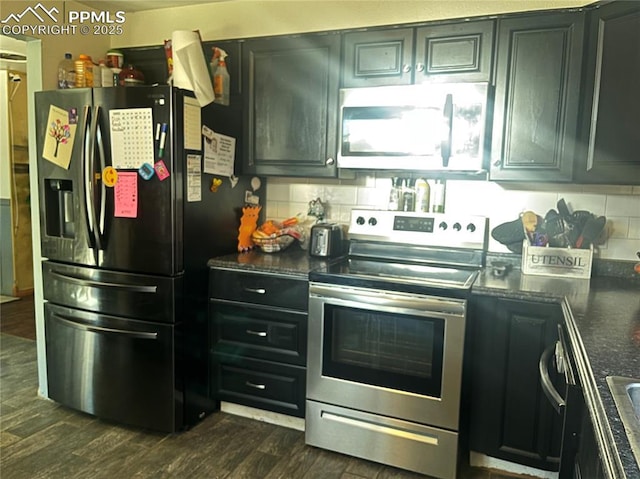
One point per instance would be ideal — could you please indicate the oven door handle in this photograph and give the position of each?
(549, 390)
(387, 300)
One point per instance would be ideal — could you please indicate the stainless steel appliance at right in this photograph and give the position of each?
(435, 127)
(386, 339)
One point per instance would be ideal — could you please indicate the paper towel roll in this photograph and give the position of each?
(190, 67)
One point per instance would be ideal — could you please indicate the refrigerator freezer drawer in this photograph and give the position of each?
(114, 368)
(144, 297)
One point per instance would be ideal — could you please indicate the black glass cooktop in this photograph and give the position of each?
(442, 277)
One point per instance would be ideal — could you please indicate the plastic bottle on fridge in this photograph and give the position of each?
(97, 75)
(66, 73)
(84, 71)
(88, 70)
(106, 75)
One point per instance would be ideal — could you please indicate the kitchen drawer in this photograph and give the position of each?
(263, 333)
(259, 288)
(260, 384)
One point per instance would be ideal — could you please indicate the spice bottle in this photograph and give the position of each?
(408, 194)
(438, 197)
(394, 195)
(422, 195)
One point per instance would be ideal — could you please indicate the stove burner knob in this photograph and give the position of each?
(373, 221)
(443, 226)
(471, 227)
(457, 226)
(360, 220)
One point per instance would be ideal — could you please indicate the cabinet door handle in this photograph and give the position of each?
(255, 290)
(262, 334)
(554, 397)
(419, 67)
(330, 161)
(407, 68)
(255, 386)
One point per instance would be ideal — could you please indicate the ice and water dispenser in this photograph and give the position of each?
(59, 208)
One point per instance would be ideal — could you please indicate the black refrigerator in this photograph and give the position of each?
(127, 226)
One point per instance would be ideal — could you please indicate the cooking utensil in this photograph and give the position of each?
(575, 224)
(563, 209)
(510, 234)
(590, 232)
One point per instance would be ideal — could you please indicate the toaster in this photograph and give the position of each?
(326, 240)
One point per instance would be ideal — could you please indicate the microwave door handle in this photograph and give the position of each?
(447, 113)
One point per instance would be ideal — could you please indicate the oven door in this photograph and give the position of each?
(388, 353)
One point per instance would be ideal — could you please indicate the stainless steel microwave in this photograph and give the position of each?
(413, 127)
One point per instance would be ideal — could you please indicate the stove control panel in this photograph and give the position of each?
(428, 229)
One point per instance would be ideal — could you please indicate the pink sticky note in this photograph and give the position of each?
(126, 195)
(161, 170)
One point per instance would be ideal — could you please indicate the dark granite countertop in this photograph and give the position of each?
(293, 261)
(602, 316)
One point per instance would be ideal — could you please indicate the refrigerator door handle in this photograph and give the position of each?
(87, 146)
(102, 284)
(103, 193)
(90, 183)
(101, 329)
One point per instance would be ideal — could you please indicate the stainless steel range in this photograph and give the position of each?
(386, 339)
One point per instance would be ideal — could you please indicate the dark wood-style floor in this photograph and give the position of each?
(42, 439)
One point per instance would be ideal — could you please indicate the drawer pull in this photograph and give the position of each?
(255, 290)
(262, 334)
(255, 386)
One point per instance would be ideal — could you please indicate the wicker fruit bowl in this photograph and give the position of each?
(273, 236)
(273, 244)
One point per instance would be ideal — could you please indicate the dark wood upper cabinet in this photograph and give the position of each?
(291, 104)
(402, 56)
(610, 127)
(375, 58)
(454, 52)
(537, 96)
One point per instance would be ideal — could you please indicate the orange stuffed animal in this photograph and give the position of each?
(248, 224)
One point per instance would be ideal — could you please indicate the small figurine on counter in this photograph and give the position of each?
(248, 224)
(316, 208)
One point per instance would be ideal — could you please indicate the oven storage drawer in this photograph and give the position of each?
(263, 333)
(259, 288)
(260, 384)
(398, 443)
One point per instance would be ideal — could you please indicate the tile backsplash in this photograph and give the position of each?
(500, 202)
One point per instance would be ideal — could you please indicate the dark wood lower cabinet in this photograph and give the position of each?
(258, 353)
(510, 417)
(261, 384)
(587, 461)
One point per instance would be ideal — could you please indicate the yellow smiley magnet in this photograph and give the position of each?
(109, 176)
